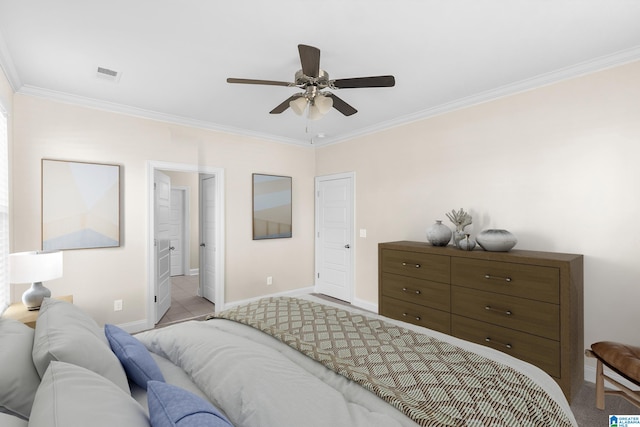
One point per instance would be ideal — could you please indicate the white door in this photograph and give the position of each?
(208, 236)
(162, 200)
(176, 232)
(334, 236)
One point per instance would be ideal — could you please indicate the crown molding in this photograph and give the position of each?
(577, 70)
(148, 114)
(583, 68)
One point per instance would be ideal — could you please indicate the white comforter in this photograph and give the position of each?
(259, 381)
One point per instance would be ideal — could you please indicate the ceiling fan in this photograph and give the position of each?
(313, 80)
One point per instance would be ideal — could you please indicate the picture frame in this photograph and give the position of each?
(80, 205)
(272, 206)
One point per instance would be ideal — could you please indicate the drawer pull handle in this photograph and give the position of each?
(415, 265)
(507, 312)
(411, 315)
(417, 291)
(488, 339)
(490, 277)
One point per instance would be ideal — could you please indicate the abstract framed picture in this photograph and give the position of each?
(80, 205)
(271, 206)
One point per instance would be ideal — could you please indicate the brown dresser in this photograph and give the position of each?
(525, 303)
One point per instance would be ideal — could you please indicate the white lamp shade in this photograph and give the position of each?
(30, 267)
(298, 105)
(314, 113)
(324, 103)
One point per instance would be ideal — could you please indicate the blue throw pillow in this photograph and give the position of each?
(171, 406)
(134, 356)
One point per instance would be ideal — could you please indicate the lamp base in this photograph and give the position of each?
(32, 297)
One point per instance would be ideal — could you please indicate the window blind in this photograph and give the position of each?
(4, 211)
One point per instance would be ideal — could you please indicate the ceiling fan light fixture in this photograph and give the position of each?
(314, 112)
(298, 105)
(323, 103)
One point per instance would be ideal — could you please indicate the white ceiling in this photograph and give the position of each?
(174, 56)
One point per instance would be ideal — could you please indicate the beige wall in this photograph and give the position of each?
(97, 277)
(557, 166)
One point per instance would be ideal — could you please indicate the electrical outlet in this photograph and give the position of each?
(269, 280)
(117, 305)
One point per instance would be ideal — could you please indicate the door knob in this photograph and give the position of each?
(202, 245)
(172, 248)
(347, 246)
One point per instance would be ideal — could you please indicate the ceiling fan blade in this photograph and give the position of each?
(310, 60)
(340, 105)
(358, 82)
(285, 104)
(259, 82)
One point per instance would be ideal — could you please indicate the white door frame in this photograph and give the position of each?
(219, 259)
(352, 252)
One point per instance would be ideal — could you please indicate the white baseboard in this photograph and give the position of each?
(365, 305)
(194, 272)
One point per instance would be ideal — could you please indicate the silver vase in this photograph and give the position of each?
(439, 234)
(496, 240)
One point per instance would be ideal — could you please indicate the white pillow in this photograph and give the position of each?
(67, 334)
(72, 396)
(19, 379)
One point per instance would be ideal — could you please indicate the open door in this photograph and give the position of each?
(162, 244)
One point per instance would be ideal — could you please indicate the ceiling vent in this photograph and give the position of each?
(107, 74)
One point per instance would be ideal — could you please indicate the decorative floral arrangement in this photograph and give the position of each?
(460, 219)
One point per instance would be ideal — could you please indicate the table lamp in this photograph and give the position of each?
(35, 267)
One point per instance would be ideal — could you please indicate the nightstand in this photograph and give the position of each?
(18, 311)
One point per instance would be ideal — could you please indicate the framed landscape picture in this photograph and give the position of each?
(80, 205)
(271, 206)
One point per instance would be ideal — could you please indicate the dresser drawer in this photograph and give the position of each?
(533, 317)
(522, 280)
(418, 265)
(423, 292)
(417, 314)
(543, 353)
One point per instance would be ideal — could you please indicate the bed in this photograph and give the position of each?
(277, 361)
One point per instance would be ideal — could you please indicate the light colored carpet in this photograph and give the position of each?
(586, 413)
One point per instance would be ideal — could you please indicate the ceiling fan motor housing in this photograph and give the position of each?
(322, 81)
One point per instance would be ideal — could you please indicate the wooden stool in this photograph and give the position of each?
(624, 360)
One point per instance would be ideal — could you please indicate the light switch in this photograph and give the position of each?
(363, 232)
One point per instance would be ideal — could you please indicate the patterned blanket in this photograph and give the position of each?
(431, 381)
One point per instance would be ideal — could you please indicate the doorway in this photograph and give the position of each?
(187, 281)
